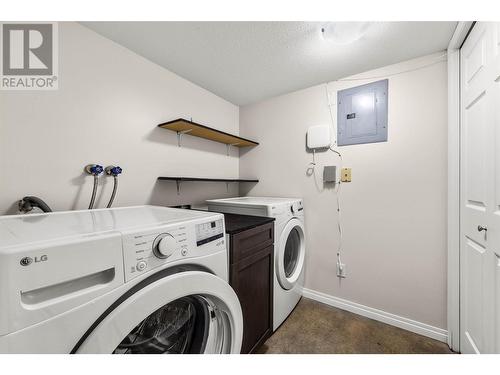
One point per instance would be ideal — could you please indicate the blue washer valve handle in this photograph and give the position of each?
(116, 171)
(97, 169)
(94, 169)
(113, 170)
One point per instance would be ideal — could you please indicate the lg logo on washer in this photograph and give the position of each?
(26, 261)
(29, 56)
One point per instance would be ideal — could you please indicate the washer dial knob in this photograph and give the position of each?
(164, 245)
(295, 207)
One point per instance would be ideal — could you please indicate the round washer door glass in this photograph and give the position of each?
(291, 253)
(179, 327)
(184, 312)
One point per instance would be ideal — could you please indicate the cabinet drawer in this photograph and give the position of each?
(246, 243)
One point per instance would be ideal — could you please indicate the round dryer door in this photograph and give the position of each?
(187, 312)
(291, 253)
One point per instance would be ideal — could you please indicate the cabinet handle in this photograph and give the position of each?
(480, 228)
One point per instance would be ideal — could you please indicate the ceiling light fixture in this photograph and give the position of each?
(343, 33)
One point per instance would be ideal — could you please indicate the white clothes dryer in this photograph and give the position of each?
(289, 245)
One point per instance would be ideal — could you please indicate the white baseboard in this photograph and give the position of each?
(382, 316)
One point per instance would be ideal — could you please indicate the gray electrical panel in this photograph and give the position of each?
(362, 114)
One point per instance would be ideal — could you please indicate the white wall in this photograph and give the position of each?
(106, 111)
(394, 210)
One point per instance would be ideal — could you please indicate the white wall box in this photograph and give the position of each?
(362, 114)
(318, 137)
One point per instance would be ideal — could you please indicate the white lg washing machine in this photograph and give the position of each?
(122, 280)
(289, 245)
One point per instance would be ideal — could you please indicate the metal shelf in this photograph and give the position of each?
(207, 179)
(179, 179)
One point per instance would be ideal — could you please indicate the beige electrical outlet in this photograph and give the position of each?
(345, 175)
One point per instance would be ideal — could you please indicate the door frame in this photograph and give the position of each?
(453, 237)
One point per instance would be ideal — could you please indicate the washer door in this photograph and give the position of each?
(185, 312)
(291, 252)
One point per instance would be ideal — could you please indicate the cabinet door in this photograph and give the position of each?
(252, 280)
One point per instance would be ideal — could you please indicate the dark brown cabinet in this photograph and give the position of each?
(251, 262)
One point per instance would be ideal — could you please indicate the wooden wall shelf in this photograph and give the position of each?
(178, 180)
(182, 126)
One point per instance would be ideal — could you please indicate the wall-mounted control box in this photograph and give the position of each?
(330, 173)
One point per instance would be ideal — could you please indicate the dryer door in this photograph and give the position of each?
(290, 254)
(185, 312)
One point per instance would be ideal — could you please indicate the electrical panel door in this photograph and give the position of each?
(362, 114)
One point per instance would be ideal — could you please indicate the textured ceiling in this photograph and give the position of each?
(245, 62)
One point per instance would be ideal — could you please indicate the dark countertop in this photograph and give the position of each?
(238, 223)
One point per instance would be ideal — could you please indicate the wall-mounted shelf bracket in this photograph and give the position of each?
(228, 147)
(179, 135)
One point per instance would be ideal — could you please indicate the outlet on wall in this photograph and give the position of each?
(345, 175)
(341, 270)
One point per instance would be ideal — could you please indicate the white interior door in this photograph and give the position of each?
(495, 218)
(480, 191)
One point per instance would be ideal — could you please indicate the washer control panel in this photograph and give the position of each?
(208, 232)
(149, 249)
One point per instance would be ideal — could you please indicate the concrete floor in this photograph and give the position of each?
(314, 327)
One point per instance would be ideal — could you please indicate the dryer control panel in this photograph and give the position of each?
(147, 250)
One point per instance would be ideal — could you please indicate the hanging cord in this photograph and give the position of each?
(337, 191)
(313, 163)
(339, 216)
